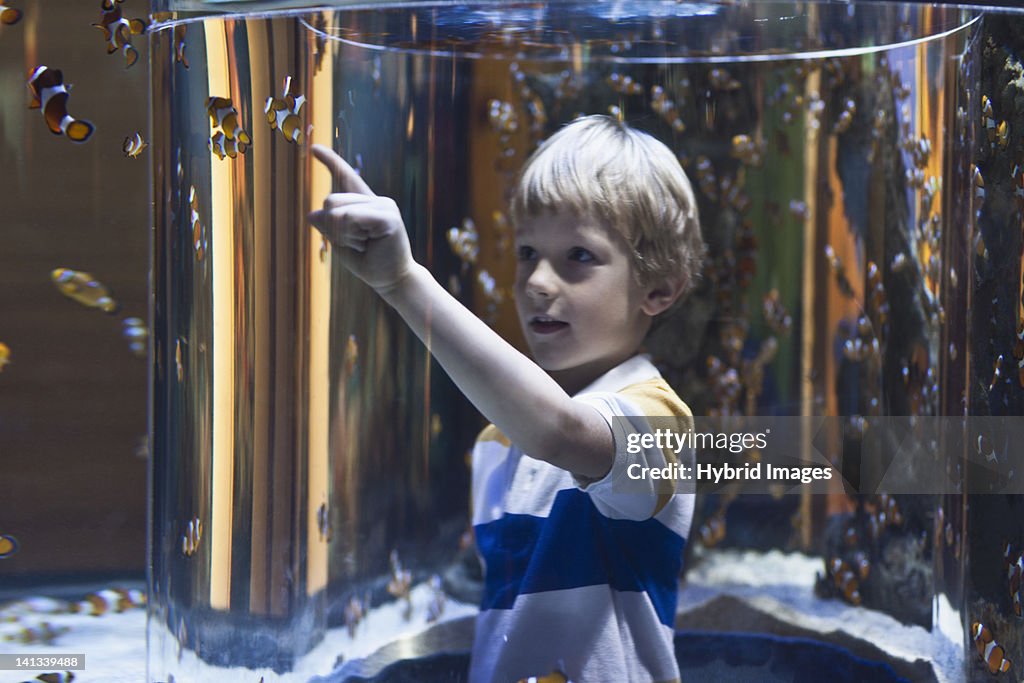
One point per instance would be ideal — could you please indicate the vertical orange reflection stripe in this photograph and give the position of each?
(321, 97)
(808, 331)
(222, 250)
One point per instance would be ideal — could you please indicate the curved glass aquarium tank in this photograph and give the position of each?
(859, 173)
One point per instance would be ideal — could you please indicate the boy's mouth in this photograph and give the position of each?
(542, 324)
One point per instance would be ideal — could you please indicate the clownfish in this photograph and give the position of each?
(845, 580)
(179, 35)
(5, 358)
(179, 45)
(8, 546)
(401, 578)
(178, 362)
(83, 288)
(985, 448)
(465, 242)
(117, 30)
(1003, 134)
(136, 332)
(223, 115)
(712, 531)
(323, 523)
(351, 355)
(42, 633)
(198, 230)
(56, 677)
(109, 600)
(997, 373)
(190, 540)
(979, 183)
(283, 113)
(990, 122)
(133, 145)
(435, 608)
(988, 649)
(354, 612)
(9, 15)
(319, 41)
(51, 96)
(224, 146)
(553, 677)
(863, 565)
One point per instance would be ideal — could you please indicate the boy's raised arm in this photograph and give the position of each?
(507, 387)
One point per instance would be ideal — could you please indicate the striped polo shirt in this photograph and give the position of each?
(580, 578)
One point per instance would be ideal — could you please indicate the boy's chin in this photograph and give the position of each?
(551, 363)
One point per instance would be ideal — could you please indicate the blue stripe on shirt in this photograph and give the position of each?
(577, 546)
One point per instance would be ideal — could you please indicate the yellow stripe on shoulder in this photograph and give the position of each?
(492, 433)
(655, 398)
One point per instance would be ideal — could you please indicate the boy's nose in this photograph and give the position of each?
(542, 282)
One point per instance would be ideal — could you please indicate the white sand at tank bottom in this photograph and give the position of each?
(782, 585)
(779, 584)
(115, 645)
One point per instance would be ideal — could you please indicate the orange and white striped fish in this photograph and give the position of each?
(179, 45)
(9, 15)
(55, 677)
(179, 35)
(553, 677)
(51, 96)
(988, 649)
(84, 288)
(323, 523)
(712, 531)
(354, 612)
(133, 145)
(351, 355)
(117, 31)
(8, 544)
(223, 115)
(136, 332)
(401, 578)
(42, 633)
(283, 113)
(109, 600)
(224, 146)
(5, 358)
(193, 535)
(845, 580)
(198, 230)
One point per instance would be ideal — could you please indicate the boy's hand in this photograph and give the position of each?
(367, 228)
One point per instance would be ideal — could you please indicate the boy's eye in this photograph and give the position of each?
(580, 254)
(525, 253)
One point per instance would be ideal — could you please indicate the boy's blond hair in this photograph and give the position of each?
(598, 166)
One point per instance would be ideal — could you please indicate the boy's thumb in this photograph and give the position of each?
(316, 218)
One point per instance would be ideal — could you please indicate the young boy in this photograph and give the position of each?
(581, 562)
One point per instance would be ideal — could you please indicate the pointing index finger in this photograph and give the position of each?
(345, 176)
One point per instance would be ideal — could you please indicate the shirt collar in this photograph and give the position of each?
(639, 368)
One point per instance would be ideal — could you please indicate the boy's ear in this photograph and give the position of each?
(661, 295)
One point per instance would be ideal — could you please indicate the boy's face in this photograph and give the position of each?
(578, 302)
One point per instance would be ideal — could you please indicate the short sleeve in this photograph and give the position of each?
(616, 495)
(489, 455)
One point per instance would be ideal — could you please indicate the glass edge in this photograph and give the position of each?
(194, 8)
